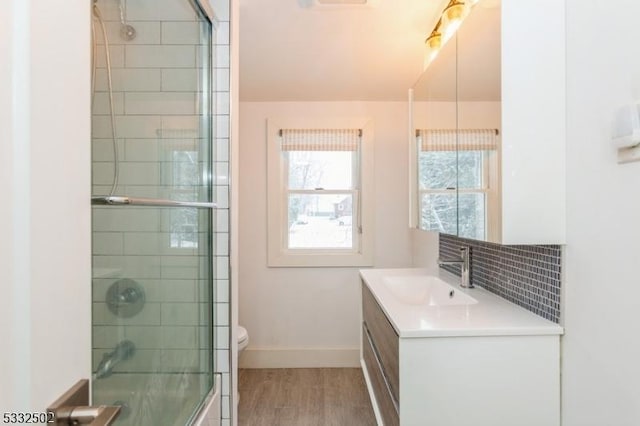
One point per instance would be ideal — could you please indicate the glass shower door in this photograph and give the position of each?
(152, 232)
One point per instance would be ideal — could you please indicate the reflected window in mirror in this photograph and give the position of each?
(458, 181)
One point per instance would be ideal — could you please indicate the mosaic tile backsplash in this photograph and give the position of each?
(528, 276)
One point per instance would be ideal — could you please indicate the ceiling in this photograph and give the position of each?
(293, 50)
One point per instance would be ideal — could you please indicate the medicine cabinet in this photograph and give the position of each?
(487, 128)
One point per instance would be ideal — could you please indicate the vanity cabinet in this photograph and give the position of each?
(499, 73)
(380, 354)
(460, 380)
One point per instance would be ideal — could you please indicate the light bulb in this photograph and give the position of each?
(451, 29)
(456, 10)
(452, 17)
(433, 44)
(434, 41)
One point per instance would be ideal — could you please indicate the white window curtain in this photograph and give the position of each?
(320, 139)
(457, 140)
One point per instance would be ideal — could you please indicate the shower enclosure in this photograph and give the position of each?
(153, 210)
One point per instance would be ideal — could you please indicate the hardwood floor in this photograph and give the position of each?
(304, 397)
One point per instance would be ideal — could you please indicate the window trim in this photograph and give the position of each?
(278, 254)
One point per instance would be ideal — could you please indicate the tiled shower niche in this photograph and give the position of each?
(528, 276)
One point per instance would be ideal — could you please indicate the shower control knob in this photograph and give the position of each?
(125, 298)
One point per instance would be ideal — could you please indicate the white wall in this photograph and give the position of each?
(311, 316)
(45, 211)
(601, 348)
(424, 248)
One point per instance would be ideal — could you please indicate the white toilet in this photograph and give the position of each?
(243, 339)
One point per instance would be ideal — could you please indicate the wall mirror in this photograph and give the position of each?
(455, 132)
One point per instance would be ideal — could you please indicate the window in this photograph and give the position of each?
(182, 170)
(319, 189)
(185, 178)
(457, 182)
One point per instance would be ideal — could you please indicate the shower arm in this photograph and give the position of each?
(152, 202)
(123, 14)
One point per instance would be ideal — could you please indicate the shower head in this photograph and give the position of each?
(127, 32)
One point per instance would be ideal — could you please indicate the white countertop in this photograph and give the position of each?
(491, 316)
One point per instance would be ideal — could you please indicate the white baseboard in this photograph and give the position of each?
(300, 358)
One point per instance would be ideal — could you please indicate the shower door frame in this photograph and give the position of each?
(206, 95)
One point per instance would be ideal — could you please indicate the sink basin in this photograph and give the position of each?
(426, 290)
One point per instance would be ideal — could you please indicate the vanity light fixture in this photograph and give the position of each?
(449, 22)
(433, 43)
(452, 17)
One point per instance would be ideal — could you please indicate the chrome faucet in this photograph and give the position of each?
(464, 262)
